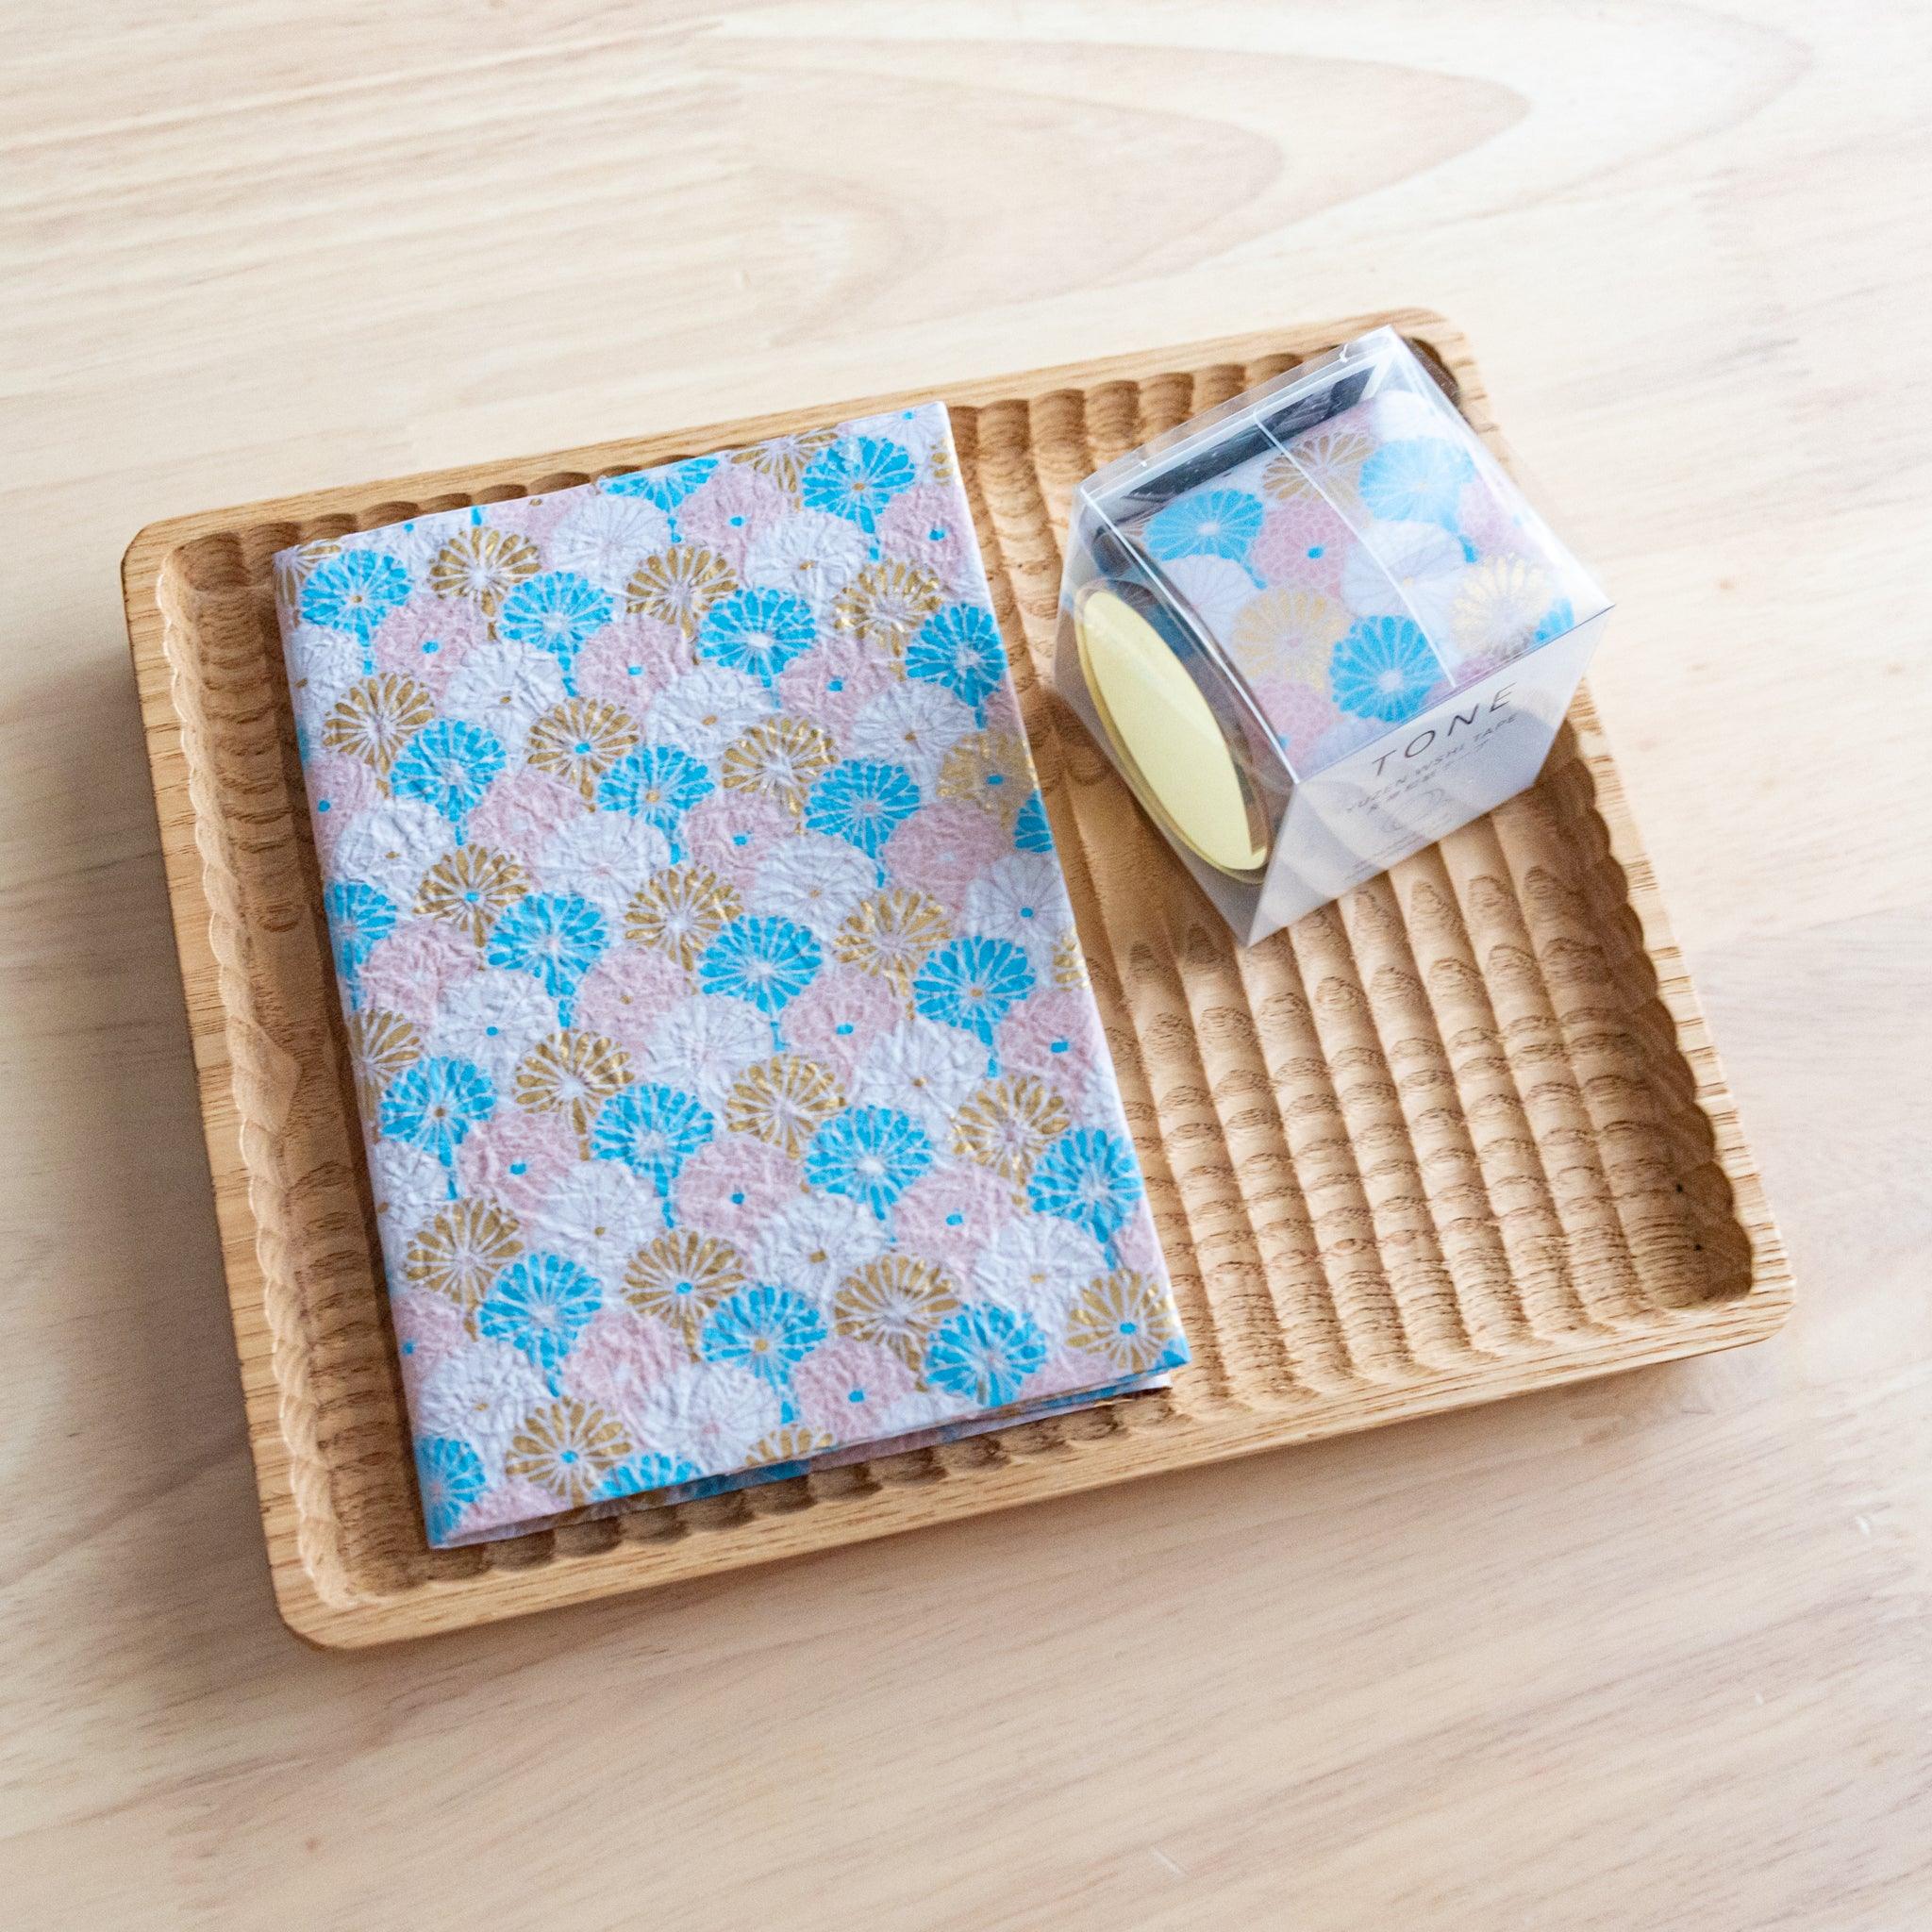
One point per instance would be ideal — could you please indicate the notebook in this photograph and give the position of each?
(733, 1097)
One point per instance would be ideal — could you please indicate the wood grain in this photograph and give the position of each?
(1645, 1652)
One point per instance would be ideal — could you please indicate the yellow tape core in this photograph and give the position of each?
(1166, 733)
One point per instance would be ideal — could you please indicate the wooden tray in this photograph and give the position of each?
(1462, 1136)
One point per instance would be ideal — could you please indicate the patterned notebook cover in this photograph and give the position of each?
(734, 1097)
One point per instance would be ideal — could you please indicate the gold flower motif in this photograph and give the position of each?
(791, 1443)
(681, 910)
(1068, 962)
(1500, 607)
(681, 1277)
(782, 1100)
(680, 585)
(785, 458)
(939, 467)
(580, 740)
(1125, 1319)
(889, 934)
(988, 769)
(375, 717)
(1288, 633)
(461, 1252)
(483, 565)
(885, 604)
(293, 569)
(1006, 1125)
(1324, 463)
(778, 758)
(572, 1072)
(896, 1302)
(380, 1046)
(565, 1447)
(471, 887)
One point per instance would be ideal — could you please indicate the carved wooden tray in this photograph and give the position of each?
(1463, 1134)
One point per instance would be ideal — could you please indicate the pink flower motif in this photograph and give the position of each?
(1051, 1036)
(1002, 714)
(429, 1329)
(535, 517)
(342, 789)
(728, 511)
(1486, 520)
(1301, 716)
(734, 834)
(626, 993)
(620, 1357)
(522, 811)
(948, 1215)
(839, 1016)
(506, 1507)
(735, 1187)
(848, 1388)
(929, 526)
(944, 848)
(1303, 544)
(1138, 1246)
(427, 638)
(630, 661)
(517, 1157)
(416, 968)
(835, 680)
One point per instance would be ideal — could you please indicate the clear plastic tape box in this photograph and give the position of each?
(1318, 628)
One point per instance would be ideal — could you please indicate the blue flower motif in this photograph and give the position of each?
(1090, 1179)
(434, 1104)
(855, 479)
(863, 804)
(759, 632)
(448, 764)
(667, 486)
(868, 1154)
(449, 1474)
(556, 612)
(1031, 832)
(359, 918)
(973, 983)
(1383, 668)
(354, 593)
(540, 1304)
(644, 1473)
(764, 960)
(1209, 523)
(1417, 480)
(653, 1130)
(767, 1330)
(1557, 619)
(985, 1352)
(559, 938)
(657, 783)
(958, 648)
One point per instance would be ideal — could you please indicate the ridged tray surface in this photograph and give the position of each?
(1461, 1136)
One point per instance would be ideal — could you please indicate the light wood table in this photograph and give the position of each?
(1648, 1654)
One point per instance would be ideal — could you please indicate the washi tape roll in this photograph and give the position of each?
(1179, 749)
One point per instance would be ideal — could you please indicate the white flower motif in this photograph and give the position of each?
(607, 536)
(331, 658)
(1039, 1265)
(705, 710)
(480, 1395)
(506, 688)
(711, 1415)
(319, 683)
(923, 1068)
(1399, 414)
(1405, 569)
(811, 553)
(813, 880)
(1021, 899)
(918, 430)
(598, 1213)
(392, 846)
(603, 856)
(409, 1183)
(913, 724)
(1215, 589)
(493, 1018)
(813, 1244)
(703, 1043)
